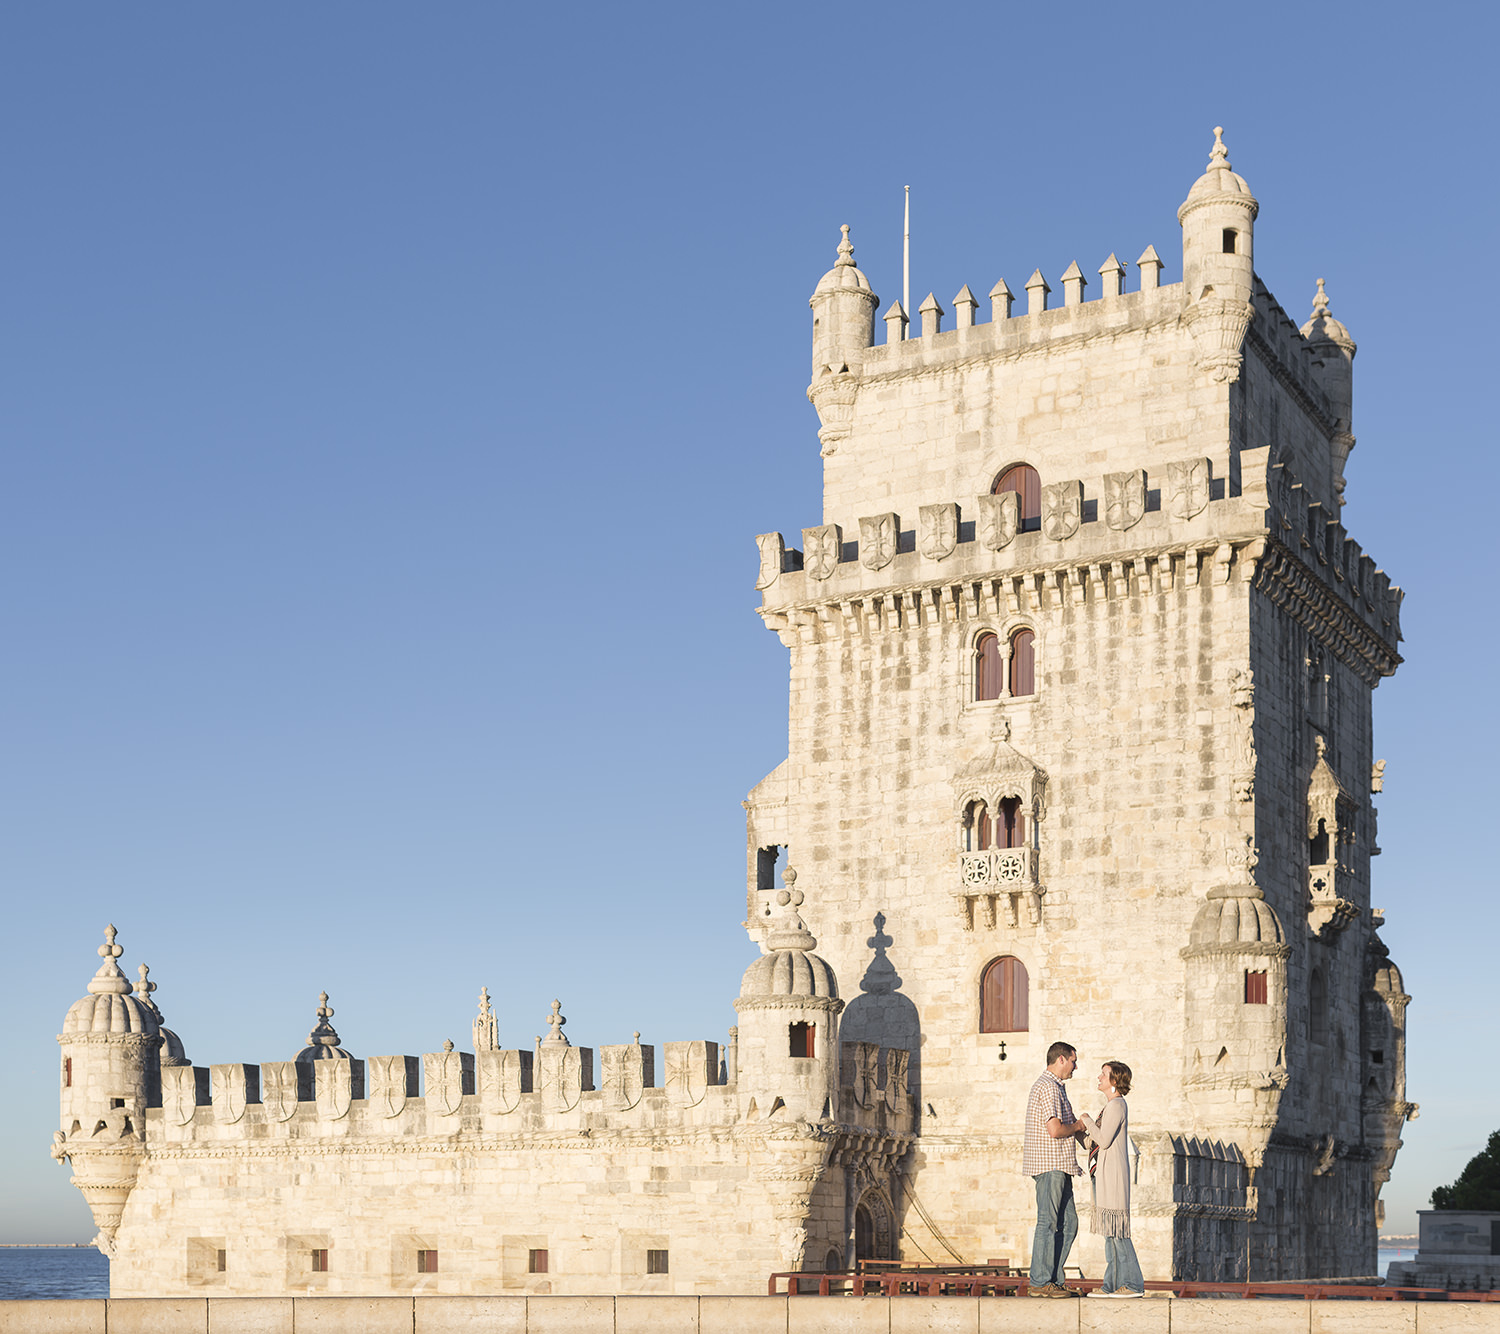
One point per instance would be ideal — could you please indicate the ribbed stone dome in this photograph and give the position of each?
(844, 276)
(323, 1041)
(1387, 980)
(1236, 915)
(1321, 326)
(1218, 184)
(110, 1006)
(792, 972)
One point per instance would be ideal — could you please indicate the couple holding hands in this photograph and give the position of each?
(1050, 1158)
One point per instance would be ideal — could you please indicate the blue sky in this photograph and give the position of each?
(390, 398)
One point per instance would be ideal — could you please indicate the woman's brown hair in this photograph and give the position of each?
(1119, 1076)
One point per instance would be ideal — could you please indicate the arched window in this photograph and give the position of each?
(1023, 480)
(979, 828)
(1317, 846)
(1317, 1007)
(987, 666)
(1003, 996)
(1010, 829)
(1023, 663)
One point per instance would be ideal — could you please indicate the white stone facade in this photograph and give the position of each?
(1184, 880)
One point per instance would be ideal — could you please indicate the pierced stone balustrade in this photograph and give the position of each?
(1331, 906)
(999, 886)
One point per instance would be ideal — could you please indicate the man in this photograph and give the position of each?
(1049, 1157)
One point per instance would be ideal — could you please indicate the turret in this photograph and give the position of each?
(788, 1031)
(1218, 251)
(843, 309)
(1333, 366)
(110, 1072)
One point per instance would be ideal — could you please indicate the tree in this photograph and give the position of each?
(1478, 1185)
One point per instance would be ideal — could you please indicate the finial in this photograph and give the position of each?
(325, 1011)
(786, 930)
(880, 977)
(789, 876)
(447, 1044)
(109, 980)
(1219, 157)
(1321, 746)
(323, 1033)
(485, 1038)
(636, 1037)
(846, 249)
(555, 1022)
(1320, 302)
(145, 986)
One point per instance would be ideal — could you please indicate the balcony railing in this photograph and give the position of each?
(999, 885)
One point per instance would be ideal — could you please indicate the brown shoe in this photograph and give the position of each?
(1061, 1290)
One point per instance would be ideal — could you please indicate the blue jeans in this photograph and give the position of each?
(1121, 1268)
(1056, 1226)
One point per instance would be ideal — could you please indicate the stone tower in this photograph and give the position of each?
(1082, 663)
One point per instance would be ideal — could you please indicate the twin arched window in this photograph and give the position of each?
(989, 665)
(1024, 481)
(1002, 828)
(1003, 989)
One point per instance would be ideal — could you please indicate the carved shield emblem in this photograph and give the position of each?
(560, 1076)
(877, 541)
(445, 1081)
(228, 1084)
(278, 1089)
(999, 519)
(333, 1088)
(1124, 498)
(897, 1079)
(867, 1077)
(688, 1074)
(179, 1094)
(1062, 509)
(503, 1077)
(1187, 487)
(624, 1078)
(821, 549)
(939, 530)
(772, 547)
(387, 1085)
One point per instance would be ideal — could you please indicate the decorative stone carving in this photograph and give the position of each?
(562, 1073)
(821, 549)
(939, 531)
(1332, 893)
(449, 1075)
(1242, 698)
(628, 1071)
(877, 540)
(335, 1086)
(1124, 498)
(503, 1077)
(1000, 886)
(691, 1068)
(772, 555)
(999, 520)
(1377, 776)
(233, 1087)
(1217, 326)
(393, 1079)
(898, 1080)
(179, 1094)
(484, 1024)
(1188, 487)
(278, 1089)
(1062, 509)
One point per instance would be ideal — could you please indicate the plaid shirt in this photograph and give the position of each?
(1041, 1153)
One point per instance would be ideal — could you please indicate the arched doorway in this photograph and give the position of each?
(872, 1228)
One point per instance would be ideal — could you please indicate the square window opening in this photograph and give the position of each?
(656, 1262)
(802, 1040)
(319, 1261)
(1255, 988)
(427, 1262)
(536, 1262)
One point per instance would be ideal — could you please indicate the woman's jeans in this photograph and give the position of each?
(1121, 1269)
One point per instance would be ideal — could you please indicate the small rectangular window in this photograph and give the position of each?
(320, 1261)
(427, 1262)
(1229, 240)
(656, 1262)
(221, 1260)
(1377, 1058)
(1255, 988)
(536, 1262)
(801, 1040)
(67, 1072)
(117, 1102)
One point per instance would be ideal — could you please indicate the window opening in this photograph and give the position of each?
(769, 864)
(1012, 831)
(536, 1262)
(117, 1102)
(320, 1261)
(802, 1039)
(1377, 1058)
(221, 1260)
(987, 667)
(1317, 845)
(1003, 998)
(1229, 239)
(1255, 988)
(67, 1072)
(1024, 481)
(656, 1262)
(427, 1262)
(1023, 663)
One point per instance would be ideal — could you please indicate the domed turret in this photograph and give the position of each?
(1218, 251)
(171, 1048)
(843, 309)
(1333, 366)
(1235, 915)
(788, 1031)
(110, 1076)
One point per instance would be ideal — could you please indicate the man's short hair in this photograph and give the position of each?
(1060, 1049)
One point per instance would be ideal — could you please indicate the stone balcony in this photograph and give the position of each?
(999, 888)
(1331, 901)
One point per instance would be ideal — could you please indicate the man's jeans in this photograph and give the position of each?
(1056, 1226)
(1122, 1271)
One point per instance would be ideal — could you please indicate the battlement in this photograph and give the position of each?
(1155, 533)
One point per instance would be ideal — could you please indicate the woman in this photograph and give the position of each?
(1109, 1136)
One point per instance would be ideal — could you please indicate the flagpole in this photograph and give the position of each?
(906, 259)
